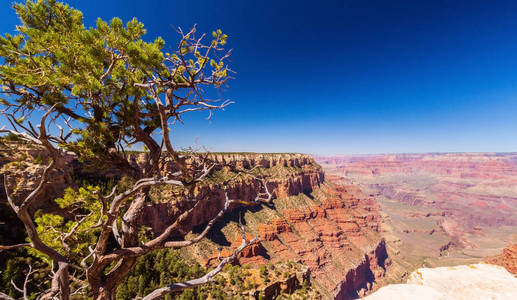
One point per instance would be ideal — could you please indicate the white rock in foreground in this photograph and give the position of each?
(469, 282)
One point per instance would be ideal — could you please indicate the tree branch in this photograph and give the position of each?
(161, 241)
(201, 280)
(5, 297)
(113, 212)
(11, 247)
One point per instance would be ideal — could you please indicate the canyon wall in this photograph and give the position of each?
(285, 175)
(22, 172)
(440, 209)
(367, 275)
(332, 229)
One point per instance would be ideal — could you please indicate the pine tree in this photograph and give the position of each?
(95, 92)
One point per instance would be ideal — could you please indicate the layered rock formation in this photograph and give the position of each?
(332, 229)
(466, 165)
(329, 230)
(23, 165)
(284, 174)
(466, 282)
(440, 209)
(507, 259)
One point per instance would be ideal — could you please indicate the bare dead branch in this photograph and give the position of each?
(192, 70)
(22, 135)
(201, 280)
(116, 233)
(60, 282)
(162, 242)
(11, 247)
(10, 200)
(117, 202)
(5, 297)
(25, 283)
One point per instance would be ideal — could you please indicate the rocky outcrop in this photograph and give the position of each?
(255, 253)
(362, 279)
(286, 285)
(334, 231)
(285, 175)
(466, 282)
(23, 165)
(507, 259)
(265, 160)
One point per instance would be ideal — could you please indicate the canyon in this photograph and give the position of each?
(440, 209)
(345, 226)
(358, 224)
(334, 230)
(314, 231)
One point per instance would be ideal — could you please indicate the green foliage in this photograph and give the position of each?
(91, 76)
(261, 296)
(165, 267)
(14, 264)
(53, 228)
(55, 59)
(263, 271)
(238, 276)
(305, 286)
(15, 269)
(38, 160)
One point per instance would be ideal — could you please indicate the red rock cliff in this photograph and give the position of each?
(287, 175)
(332, 229)
(507, 259)
(337, 238)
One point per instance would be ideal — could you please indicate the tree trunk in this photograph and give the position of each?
(105, 286)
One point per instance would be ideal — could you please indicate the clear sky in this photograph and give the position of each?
(343, 77)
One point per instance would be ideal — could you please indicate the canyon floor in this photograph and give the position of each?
(439, 209)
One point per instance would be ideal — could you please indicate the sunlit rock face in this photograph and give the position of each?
(507, 259)
(466, 282)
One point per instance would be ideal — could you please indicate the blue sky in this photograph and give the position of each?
(343, 77)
